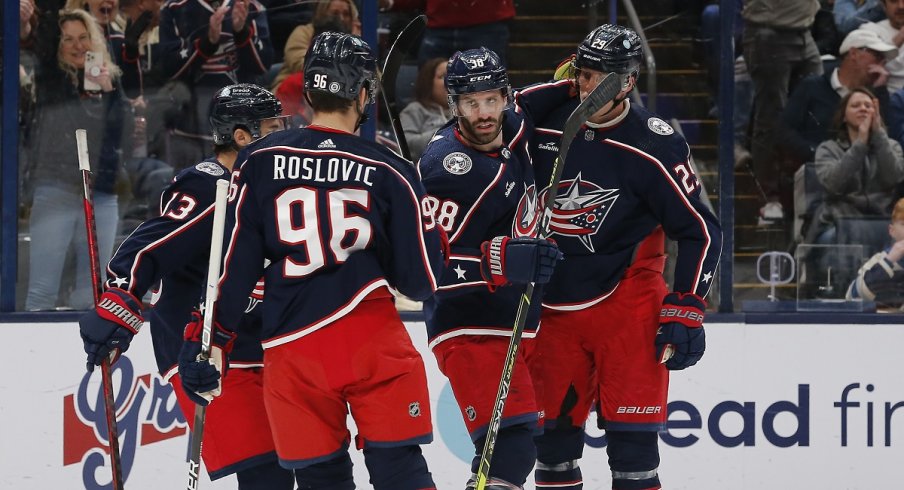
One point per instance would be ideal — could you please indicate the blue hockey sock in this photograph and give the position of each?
(267, 476)
(335, 474)
(397, 468)
(562, 476)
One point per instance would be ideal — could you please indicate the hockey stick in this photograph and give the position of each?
(606, 91)
(106, 376)
(397, 52)
(210, 298)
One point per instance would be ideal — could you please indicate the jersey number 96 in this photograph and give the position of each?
(307, 232)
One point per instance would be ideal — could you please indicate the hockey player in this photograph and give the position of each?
(174, 247)
(340, 219)
(611, 330)
(481, 189)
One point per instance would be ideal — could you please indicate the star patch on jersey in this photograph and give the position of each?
(659, 126)
(457, 163)
(210, 168)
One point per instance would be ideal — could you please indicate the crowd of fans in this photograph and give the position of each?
(137, 74)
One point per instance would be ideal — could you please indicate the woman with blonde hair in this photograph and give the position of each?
(70, 95)
(343, 11)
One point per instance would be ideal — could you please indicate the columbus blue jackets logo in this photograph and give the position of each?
(457, 163)
(527, 215)
(210, 168)
(580, 210)
(659, 126)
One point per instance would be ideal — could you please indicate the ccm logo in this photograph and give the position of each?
(640, 410)
(480, 78)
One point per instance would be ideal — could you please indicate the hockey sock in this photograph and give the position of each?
(397, 468)
(633, 459)
(267, 476)
(335, 474)
(562, 476)
(558, 450)
(513, 456)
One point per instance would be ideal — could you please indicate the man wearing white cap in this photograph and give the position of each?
(891, 31)
(808, 115)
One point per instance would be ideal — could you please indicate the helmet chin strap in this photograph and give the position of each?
(362, 114)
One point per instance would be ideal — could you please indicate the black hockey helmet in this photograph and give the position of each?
(340, 64)
(475, 70)
(243, 105)
(610, 49)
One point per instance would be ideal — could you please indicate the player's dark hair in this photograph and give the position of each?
(325, 102)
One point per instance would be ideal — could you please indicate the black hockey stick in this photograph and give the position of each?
(606, 91)
(210, 298)
(402, 45)
(106, 376)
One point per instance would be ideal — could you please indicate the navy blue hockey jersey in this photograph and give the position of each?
(476, 196)
(175, 247)
(619, 183)
(339, 217)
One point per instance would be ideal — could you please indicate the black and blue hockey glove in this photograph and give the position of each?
(110, 326)
(202, 380)
(681, 340)
(518, 260)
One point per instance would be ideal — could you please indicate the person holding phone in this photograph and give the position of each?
(71, 94)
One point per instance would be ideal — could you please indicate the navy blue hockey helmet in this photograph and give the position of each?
(610, 49)
(340, 64)
(243, 105)
(475, 70)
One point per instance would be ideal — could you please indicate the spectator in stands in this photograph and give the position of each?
(808, 115)
(458, 25)
(825, 33)
(429, 111)
(106, 13)
(343, 12)
(141, 42)
(891, 30)
(859, 168)
(881, 279)
(211, 45)
(850, 14)
(780, 51)
(64, 105)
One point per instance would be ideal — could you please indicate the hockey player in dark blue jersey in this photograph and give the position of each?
(481, 189)
(339, 218)
(611, 330)
(174, 248)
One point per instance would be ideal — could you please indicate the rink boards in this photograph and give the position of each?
(769, 406)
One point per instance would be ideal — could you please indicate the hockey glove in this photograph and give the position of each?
(681, 340)
(203, 380)
(110, 326)
(518, 260)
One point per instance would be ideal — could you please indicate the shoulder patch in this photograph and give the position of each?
(659, 126)
(210, 168)
(457, 163)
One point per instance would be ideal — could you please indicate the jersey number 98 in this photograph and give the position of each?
(302, 202)
(439, 212)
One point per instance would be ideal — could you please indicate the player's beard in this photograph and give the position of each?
(470, 131)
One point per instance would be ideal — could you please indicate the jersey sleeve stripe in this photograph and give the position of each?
(698, 271)
(169, 236)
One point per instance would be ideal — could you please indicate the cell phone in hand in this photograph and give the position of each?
(93, 63)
